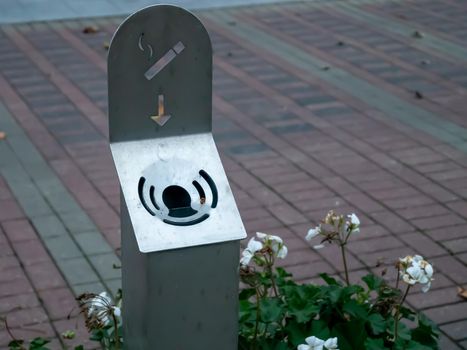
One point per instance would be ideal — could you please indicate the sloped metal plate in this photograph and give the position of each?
(162, 164)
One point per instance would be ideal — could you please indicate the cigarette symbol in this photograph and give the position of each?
(164, 60)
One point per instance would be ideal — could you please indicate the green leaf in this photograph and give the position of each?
(403, 332)
(68, 334)
(97, 335)
(374, 344)
(16, 344)
(335, 293)
(377, 323)
(281, 346)
(426, 333)
(413, 345)
(79, 347)
(282, 273)
(354, 333)
(270, 310)
(247, 313)
(329, 280)
(39, 341)
(246, 294)
(38, 344)
(296, 333)
(301, 302)
(356, 310)
(373, 282)
(320, 329)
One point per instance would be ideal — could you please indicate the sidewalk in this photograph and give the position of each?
(355, 106)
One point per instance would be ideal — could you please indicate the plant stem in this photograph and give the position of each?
(257, 318)
(344, 260)
(396, 316)
(273, 282)
(117, 338)
(270, 264)
(398, 277)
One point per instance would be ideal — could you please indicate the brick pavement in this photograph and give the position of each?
(317, 105)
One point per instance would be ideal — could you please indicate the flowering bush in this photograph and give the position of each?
(103, 318)
(277, 313)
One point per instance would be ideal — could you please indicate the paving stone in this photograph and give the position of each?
(448, 232)
(107, 265)
(113, 285)
(447, 313)
(423, 245)
(49, 226)
(92, 243)
(19, 230)
(45, 275)
(77, 325)
(434, 298)
(24, 301)
(455, 330)
(456, 245)
(438, 221)
(25, 317)
(31, 331)
(452, 268)
(62, 247)
(93, 287)
(77, 222)
(10, 210)
(31, 252)
(78, 271)
(11, 274)
(59, 302)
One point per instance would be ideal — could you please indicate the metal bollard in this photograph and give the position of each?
(179, 221)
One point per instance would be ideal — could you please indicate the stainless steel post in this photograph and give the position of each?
(180, 224)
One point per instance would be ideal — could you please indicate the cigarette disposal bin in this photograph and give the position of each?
(179, 221)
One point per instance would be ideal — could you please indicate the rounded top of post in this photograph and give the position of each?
(159, 75)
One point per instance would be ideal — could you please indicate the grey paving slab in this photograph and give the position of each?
(51, 208)
(77, 222)
(107, 265)
(392, 105)
(62, 247)
(93, 243)
(49, 226)
(93, 287)
(78, 271)
(114, 285)
(13, 11)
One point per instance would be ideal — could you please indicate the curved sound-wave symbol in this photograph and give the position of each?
(178, 206)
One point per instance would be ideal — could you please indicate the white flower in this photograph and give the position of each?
(318, 246)
(275, 242)
(103, 300)
(354, 223)
(252, 247)
(100, 309)
(331, 344)
(117, 311)
(416, 270)
(312, 343)
(282, 253)
(313, 232)
(354, 220)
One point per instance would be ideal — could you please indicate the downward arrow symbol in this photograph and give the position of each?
(160, 118)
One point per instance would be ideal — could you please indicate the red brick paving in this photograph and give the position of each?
(293, 147)
(34, 297)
